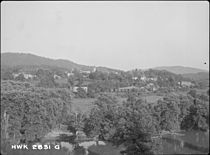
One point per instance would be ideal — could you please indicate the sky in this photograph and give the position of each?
(122, 35)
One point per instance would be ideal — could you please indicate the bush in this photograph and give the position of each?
(81, 93)
(192, 93)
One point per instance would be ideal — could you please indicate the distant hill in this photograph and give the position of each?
(200, 76)
(180, 69)
(30, 60)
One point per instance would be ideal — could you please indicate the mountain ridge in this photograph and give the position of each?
(28, 59)
(181, 69)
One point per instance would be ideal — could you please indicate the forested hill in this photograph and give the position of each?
(201, 77)
(180, 69)
(30, 60)
(197, 76)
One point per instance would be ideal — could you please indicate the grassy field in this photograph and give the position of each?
(86, 104)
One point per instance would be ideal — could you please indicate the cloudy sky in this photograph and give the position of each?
(122, 35)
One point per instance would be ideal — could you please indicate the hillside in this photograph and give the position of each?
(180, 69)
(27, 60)
(197, 76)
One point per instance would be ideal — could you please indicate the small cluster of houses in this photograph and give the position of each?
(85, 73)
(71, 73)
(57, 76)
(150, 86)
(25, 75)
(75, 88)
(31, 76)
(144, 78)
(186, 84)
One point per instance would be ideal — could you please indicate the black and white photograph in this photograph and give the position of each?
(104, 77)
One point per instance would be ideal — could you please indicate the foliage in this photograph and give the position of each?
(192, 93)
(203, 84)
(131, 124)
(32, 111)
(136, 127)
(198, 116)
(75, 121)
(20, 77)
(102, 117)
(184, 106)
(81, 93)
(46, 78)
(91, 92)
(6, 74)
(71, 82)
(98, 75)
(78, 77)
(169, 112)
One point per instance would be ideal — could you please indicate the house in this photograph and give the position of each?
(134, 78)
(15, 75)
(75, 89)
(85, 72)
(186, 84)
(94, 69)
(69, 74)
(57, 77)
(28, 76)
(143, 78)
(153, 79)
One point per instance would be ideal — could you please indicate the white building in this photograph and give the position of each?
(94, 69)
(143, 78)
(186, 84)
(135, 78)
(86, 72)
(57, 77)
(70, 74)
(75, 89)
(15, 74)
(153, 79)
(28, 76)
